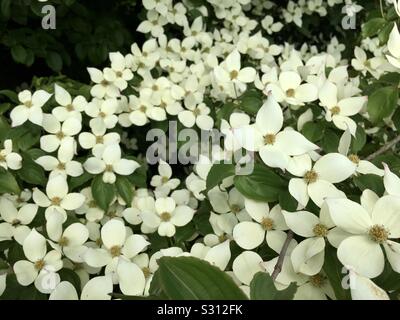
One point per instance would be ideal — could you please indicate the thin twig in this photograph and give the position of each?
(279, 263)
(381, 6)
(384, 148)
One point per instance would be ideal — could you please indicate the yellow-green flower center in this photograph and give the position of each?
(165, 216)
(267, 224)
(320, 230)
(269, 139)
(311, 176)
(378, 234)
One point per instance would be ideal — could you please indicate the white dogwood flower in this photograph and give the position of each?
(369, 231)
(67, 107)
(40, 263)
(163, 181)
(164, 215)
(288, 88)
(110, 163)
(59, 133)
(268, 225)
(98, 139)
(64, 163)
(31, 107)
(104, 86)
(103, 113)
(8, 158)
(230, 71)
(317, 182)
(339, 111)
(265, 136)
(57, 197)
(16, 222)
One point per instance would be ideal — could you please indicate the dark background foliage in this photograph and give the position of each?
(86, 31)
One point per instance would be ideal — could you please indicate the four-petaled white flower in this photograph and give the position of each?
(265, 136)
(369, 229)
(31, 107)
(110, 163)
(41, 266)
(8, 158)
(164, 215)
(16, 221)
(57, 197)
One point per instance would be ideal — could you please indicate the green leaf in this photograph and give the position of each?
(287, 202)
(70, 276)
(139, 177)
(124, 189)
(19, 53)
(4, 128)
(335, 273)
(224, 112)
(262, 288)
(384, 33)
(5, 8)
(14, 291)
(76, 182)
(313, 131)
(202, 218)
(389, 279)
(8, 184)
(103, 193)
(359, 141)
(188, 278)
(372, 27)
(54, 61)
(262, 184)
(218, 172)
(184, 233)
(251, 101)
(370, 181)
(10, 95)
(31, 172)
(395, 119)
(330, 141)
(381, 103)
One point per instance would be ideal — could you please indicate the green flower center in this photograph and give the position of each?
(311, 176)
(378, 234)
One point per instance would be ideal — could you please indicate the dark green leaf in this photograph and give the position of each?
(370, 181)
(262, 288)
(262, 184)
(372, 27)
(10, 95)
(103, 193)
(76, 182)
(384, 33)
(19, 54)
(335, 272)
(359, 141)
(188, 278)
(381, 103)
(8, 184)
(31, 172)
(72, 277)
(287, 202)
(251, 101)
(54, 61)
(124, 189)
(218, 172)
(313, 131)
